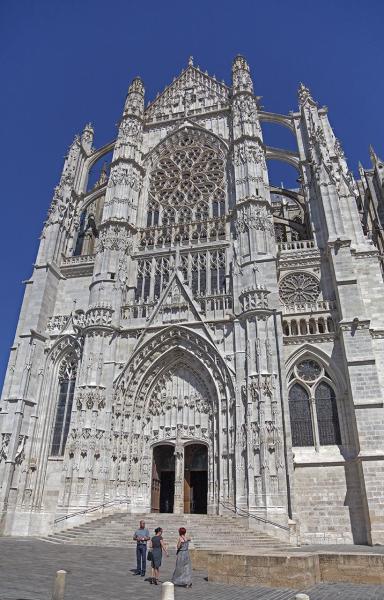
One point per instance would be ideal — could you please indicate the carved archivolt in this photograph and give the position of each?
(181, 388)
(144, 367)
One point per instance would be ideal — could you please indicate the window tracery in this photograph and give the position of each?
(312, 406)
(204, 272)
(66, 387)
(298, 288)
(189, 174)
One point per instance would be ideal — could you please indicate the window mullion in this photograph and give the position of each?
(61, 449)
(315, 425)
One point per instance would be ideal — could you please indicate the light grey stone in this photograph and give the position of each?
(182, 296)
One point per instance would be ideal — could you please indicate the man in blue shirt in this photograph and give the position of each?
(141, 536)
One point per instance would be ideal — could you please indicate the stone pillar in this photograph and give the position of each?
(259, 434)
(178, 503)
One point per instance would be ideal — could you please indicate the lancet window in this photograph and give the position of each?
(90, 220)
(313, 407)
(66, 389)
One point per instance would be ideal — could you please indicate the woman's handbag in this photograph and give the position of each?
(150, 555)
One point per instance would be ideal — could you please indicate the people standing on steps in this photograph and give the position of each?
(157, 546)
(182, 575)
(141, 536)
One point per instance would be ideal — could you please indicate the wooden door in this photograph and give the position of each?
(155, 489)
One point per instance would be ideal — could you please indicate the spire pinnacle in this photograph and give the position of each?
(136, 86)
(190, 61)
(87, 137)
(134, 102)
(241, 76)
(304, 95)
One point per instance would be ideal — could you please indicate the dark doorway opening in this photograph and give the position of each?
(163, 479)
(167, 491)
(195, 479)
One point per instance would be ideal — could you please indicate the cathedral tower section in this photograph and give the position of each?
(196, 337)
(259, 404)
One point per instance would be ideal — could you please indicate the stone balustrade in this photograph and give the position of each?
(213, 306)
(184, 234)
(298, 245)
(78, 260)
(310, 307)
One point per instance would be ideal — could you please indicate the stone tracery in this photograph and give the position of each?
(297, 288)
(189, 171)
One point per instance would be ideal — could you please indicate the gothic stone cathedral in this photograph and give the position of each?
(194, 338)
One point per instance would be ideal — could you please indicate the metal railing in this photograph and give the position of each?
(244, 513)
(92, 509)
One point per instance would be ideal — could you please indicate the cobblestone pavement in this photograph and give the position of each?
(27, 569)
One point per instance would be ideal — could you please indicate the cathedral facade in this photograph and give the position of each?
(194, 338)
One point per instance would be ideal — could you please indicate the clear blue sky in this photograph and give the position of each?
(66, 62)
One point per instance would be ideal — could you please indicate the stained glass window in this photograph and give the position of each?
(300, 414)
(67, 380)
(327, 417)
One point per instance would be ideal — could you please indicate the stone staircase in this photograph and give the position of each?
(208, 532)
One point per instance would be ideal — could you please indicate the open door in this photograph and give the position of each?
(163, 479)
(196, 479)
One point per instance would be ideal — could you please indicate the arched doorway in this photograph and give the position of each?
(163, 478)
(195, 479)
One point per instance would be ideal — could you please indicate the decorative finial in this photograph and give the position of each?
(136, 86)
(372, 153)
(241, 77)
(87, 137)
(190, 61)
(304, 94)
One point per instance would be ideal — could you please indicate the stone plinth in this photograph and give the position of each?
(352, 568)
(297, 571)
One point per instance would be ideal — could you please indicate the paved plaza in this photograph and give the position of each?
(28, 566)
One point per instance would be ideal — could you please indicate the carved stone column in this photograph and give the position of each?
(178, 504)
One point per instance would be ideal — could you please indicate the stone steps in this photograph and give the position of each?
(117, 531)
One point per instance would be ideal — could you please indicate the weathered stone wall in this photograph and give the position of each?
(328, 503)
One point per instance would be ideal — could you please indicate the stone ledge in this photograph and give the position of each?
(295, 570)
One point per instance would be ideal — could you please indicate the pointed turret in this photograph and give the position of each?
(372, 154)
(241, 76)
(377, 164)
(134, 103)
(87, 138)
(305, 95)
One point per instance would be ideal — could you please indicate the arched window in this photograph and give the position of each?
(67, 381)
(300, 415)
(327, 417)
(153, 214)
(313, 403)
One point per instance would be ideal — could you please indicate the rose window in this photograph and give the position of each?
(299, 288)
(308, 370)
(188, 172)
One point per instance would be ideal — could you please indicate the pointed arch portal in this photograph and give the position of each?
(170, 398)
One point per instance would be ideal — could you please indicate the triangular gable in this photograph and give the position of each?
(192, 93)
(176, 306)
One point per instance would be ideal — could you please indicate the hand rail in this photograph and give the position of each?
(91, 509)
(244, 513)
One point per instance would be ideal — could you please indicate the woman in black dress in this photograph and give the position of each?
(157, 546)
